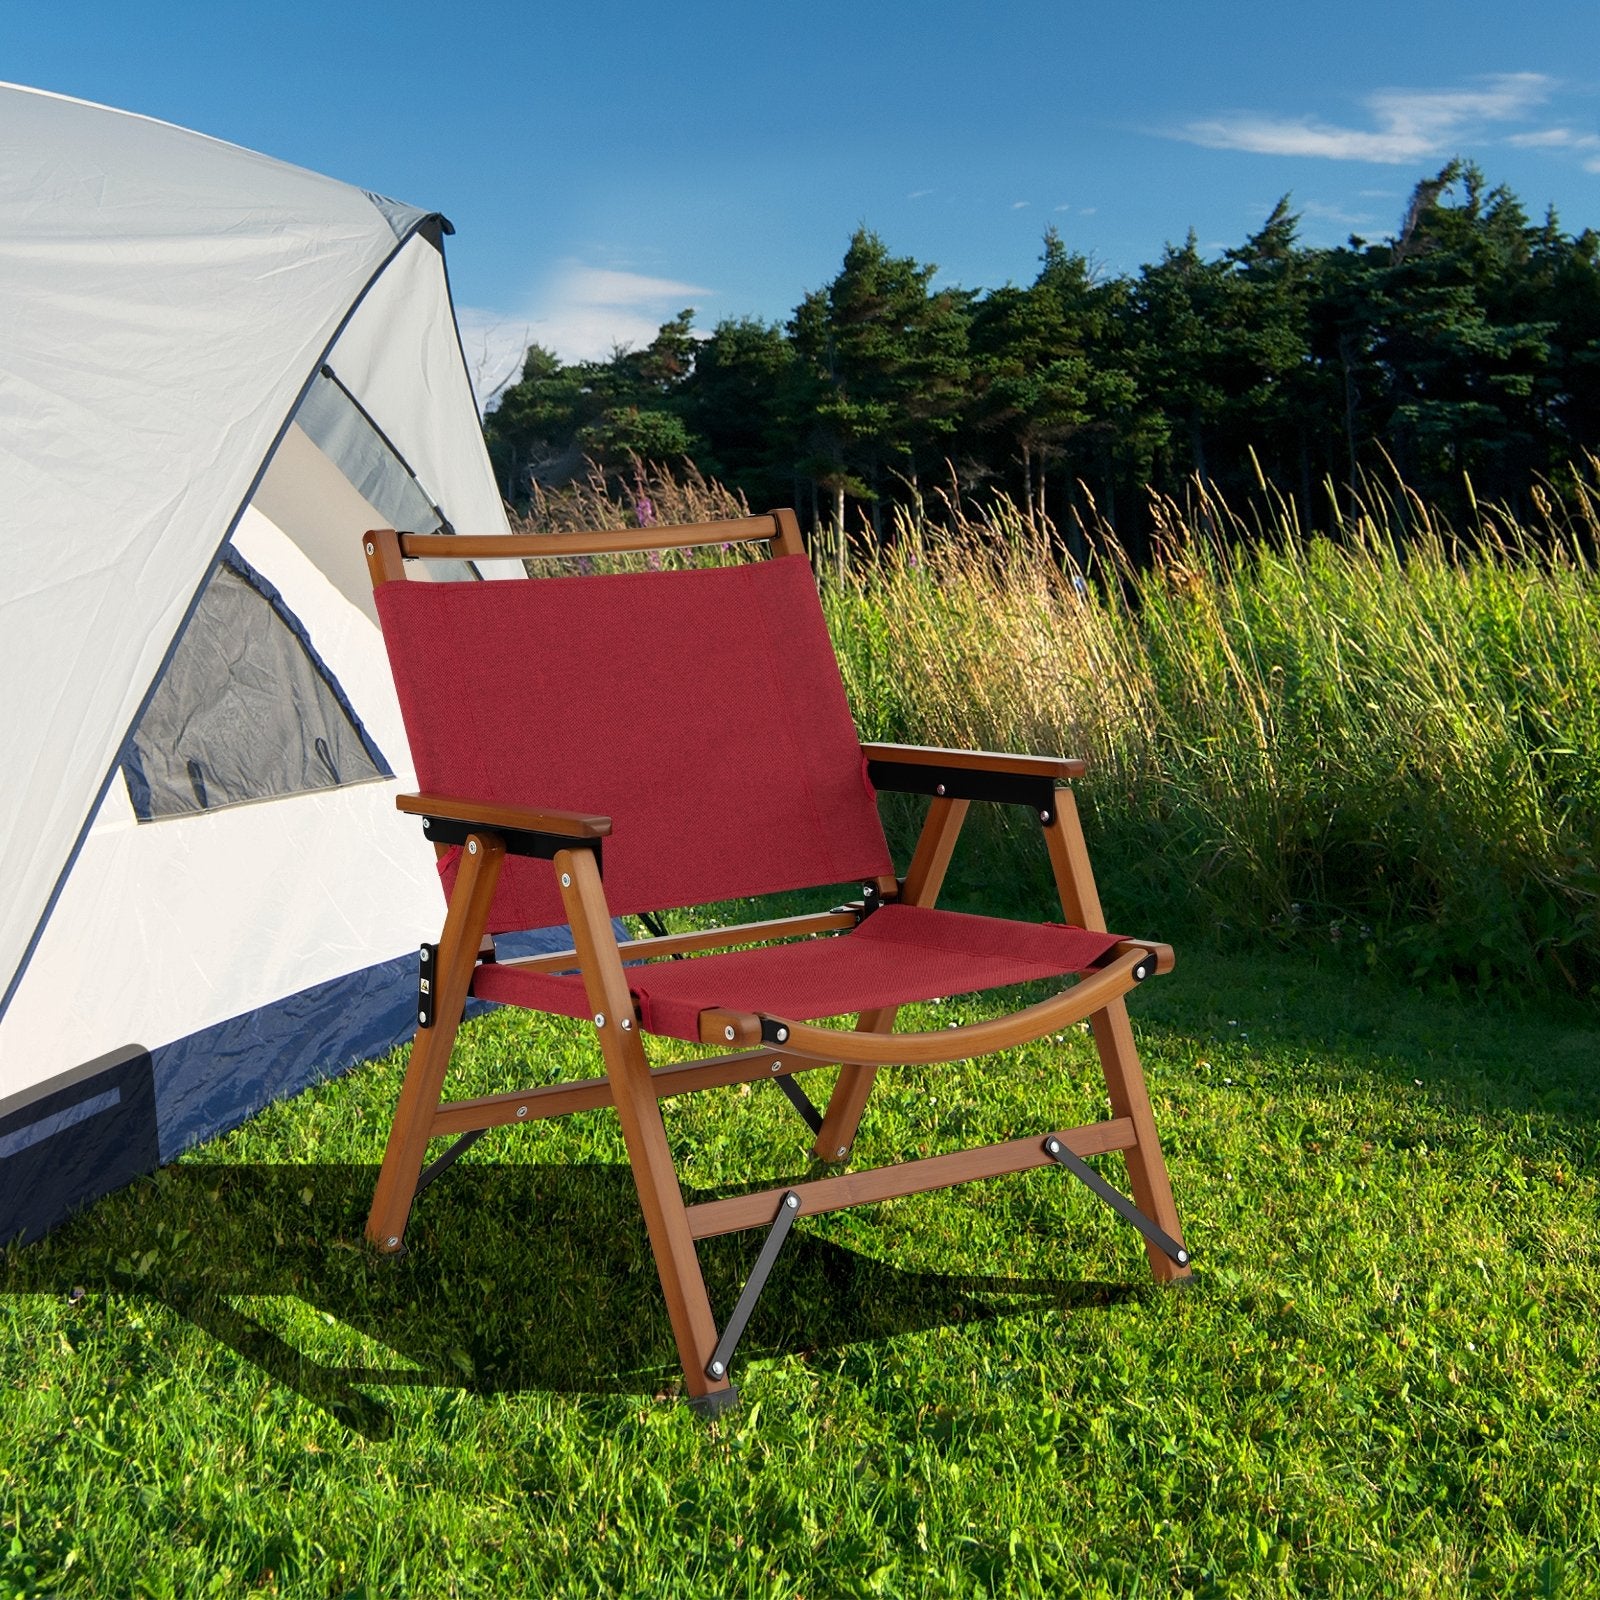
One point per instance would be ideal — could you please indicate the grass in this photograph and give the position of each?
(1385, 742)
(1384, 1383)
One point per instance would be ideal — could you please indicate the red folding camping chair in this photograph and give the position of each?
(630, 742)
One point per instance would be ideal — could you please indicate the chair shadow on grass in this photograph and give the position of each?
(517, 1278)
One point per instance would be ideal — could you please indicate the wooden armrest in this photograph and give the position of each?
(1091, 993)
(526, 830)
(970, 774)
(1059, 768)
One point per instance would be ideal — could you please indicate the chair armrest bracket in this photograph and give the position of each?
(518, 841)
(524, 830)
(1036, 792)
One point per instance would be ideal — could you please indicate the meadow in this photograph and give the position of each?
(1355, 778)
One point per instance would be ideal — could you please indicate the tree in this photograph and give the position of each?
(886, 361)
(733, 399)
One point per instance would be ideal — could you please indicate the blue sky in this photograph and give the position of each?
(606, 164)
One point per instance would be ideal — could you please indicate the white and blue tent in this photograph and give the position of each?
(216, 372)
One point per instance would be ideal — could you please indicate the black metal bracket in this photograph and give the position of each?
(448, 1159)
(788, 1210)
(427, 970)
(518, 841)
(1119, 1203)
(800, 1100)
(428, 979)
(773, 1031)
(966, 783)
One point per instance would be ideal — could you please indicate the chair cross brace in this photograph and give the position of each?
(788, 1210)
(1123, 1206)
(801, 1101)
(449, 1158)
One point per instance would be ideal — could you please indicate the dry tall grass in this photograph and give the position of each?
(1385, 735)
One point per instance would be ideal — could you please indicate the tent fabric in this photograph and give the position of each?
(166, 299)
(169, 302)
(897, 955)
(729, 764)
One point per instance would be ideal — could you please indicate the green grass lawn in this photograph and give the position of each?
(1384, 1381)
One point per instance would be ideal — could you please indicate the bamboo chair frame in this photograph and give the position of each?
(765, 1046)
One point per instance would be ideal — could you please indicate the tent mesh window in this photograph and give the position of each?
(245, 710)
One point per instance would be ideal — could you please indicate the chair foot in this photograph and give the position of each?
(708, 1407)
(390, 1249)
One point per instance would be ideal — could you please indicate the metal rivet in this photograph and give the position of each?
(392, 1243)
(1053, 1147)
(369, 547)
(566, 880)
(841, 1150)
(791, 1200)
(422, 1017)
(627, 1024)
(599, 1019)
(1183, 1258)
(783, 1033)
(427, 822)
(727, 1033)
(522, 1111)
(938, 788)
(472, 847)
(717, 1369)
(777, 1066)
(1044, 816)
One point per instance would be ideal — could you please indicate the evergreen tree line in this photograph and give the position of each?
(1463, 352)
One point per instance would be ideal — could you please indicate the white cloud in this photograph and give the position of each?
(919, 194)
(1555, 139)
(581, 312)
(1323, 212)
(1020, 205)
(1408, 124)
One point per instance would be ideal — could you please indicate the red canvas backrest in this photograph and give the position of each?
(701, 710)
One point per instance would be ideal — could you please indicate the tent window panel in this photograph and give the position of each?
(344, 433)
(341, 429)
(245, 710)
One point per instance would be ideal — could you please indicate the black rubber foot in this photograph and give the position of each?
(708, 1407)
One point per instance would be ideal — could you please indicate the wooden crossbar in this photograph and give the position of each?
(726, 938)
(589, 1094)
(778, 527)
(712, 1217)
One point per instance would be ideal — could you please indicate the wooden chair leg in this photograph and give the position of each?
(639, 1110)
(849, 1097)
(924, 878)
(479, 872)
(1113, 1036)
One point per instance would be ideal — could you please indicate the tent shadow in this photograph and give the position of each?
(518, 1278)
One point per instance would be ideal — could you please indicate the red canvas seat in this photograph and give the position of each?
(897, 955)
(630, 743)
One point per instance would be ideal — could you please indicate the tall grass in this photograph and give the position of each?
(1389, 744)
(1384, 736)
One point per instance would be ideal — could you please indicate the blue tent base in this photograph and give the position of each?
(78, 1137)
(100, 1126)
